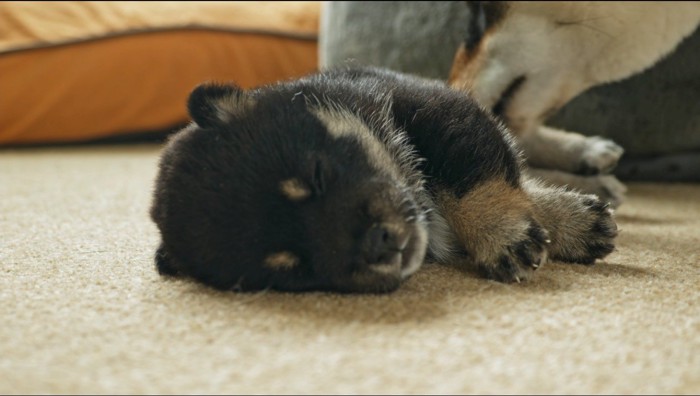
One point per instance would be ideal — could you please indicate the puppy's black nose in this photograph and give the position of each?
(381, 245)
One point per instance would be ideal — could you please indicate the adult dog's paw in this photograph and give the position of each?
(608, 188)
(599, 155)
(518, 261)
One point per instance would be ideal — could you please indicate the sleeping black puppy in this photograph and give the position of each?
(345, 180)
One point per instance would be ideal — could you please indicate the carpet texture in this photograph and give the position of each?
(83, 310)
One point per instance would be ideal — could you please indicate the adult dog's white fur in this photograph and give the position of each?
(558, 50)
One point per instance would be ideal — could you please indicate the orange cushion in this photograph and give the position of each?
(105, 69)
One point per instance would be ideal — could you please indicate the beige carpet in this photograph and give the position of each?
(83, 310)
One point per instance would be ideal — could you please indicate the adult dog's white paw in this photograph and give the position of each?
(607, 187)
(599, 155)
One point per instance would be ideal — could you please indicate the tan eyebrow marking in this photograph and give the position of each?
(295, 189)
(281, 260)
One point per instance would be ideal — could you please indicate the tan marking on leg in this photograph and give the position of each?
(490, 217)
(281, 261)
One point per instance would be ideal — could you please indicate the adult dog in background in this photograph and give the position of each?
(525, 60)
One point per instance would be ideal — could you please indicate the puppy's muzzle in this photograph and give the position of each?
(384, 244)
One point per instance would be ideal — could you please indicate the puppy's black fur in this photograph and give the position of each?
(342, 181)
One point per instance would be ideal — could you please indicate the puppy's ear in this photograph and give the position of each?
(214, 104)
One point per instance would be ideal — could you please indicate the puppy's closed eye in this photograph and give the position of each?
(318, 180)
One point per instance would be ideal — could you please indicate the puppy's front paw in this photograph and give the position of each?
(495, 225)
(588, 234)
(599, 155)
(519, 260)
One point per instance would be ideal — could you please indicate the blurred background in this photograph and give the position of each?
(77, 72)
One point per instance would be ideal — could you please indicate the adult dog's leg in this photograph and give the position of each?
(570, 152)
(576, 161)
(606, 187)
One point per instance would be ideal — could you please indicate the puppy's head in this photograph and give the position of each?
(266, 190)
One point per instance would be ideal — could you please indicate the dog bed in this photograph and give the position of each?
(80, 71)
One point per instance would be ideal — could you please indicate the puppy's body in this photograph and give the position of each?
(343, 180)
(525, 60)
